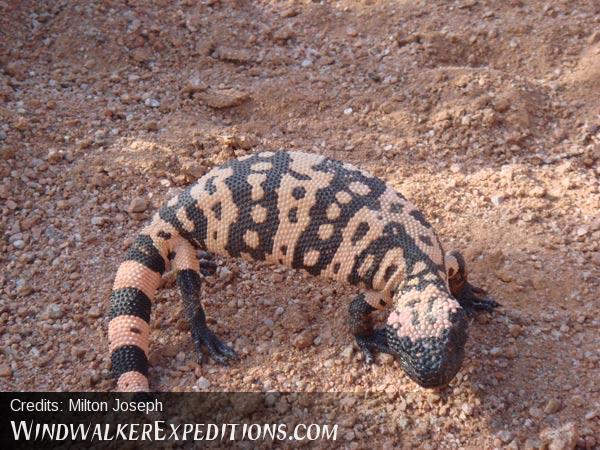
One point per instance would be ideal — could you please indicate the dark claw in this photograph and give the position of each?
(207, 267)
(364, 347)
(474, 299)
(217, 350)
(375, 341)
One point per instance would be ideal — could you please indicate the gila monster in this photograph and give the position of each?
(307, 212)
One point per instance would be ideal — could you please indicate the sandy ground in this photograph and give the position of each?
(485, 114)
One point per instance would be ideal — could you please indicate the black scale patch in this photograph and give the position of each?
(342, 178)
(143, 251)
(394, 236)
(185, 200)
(241, 191)
(130, 301)
(128, 358)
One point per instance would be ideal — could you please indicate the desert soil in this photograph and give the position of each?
(485, 114)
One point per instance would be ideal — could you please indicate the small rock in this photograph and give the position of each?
(515, 330)
(306, 63)
(495, 351)
(386, 359)
(24, 289)
(54, 311)
(98, 220)
(234, 55)
(5, 371)
(347, 352)
(592, 414)
(138, 205)
(290, 12)
(141, 55)
(203, 383)
(536, 412)
(505, 436)
(497, 199)
(577, 400)
(537, 191)
(225, 274)
(562, 438)
(552, 406)
(284, 34)
(53, 157)
(224, 98)
(152, 102)
(152, 125)
(194, 85)
(348, 111)
(511, 352)
(19, 244)
(304, 339)
(94, 312)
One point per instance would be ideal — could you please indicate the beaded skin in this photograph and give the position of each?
(307, 212)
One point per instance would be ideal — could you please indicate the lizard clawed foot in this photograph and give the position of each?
(208, 266)
(217, 350)
(375, 341)
(471, 298)
(474, 299)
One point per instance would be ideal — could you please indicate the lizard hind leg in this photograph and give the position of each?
(471, 298)
(189, 282)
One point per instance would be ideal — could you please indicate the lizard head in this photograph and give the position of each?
(427, 331)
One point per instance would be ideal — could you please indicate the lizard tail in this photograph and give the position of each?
(136, 282)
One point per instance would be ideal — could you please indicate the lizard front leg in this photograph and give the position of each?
(470, 297)
(189, 282)
(361, 327)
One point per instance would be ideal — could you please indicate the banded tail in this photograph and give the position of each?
(136, 282)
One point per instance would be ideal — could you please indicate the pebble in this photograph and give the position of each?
(505, 436)
(536, 412)
(138, 205)
(515, 330)
(24, 289)
(304, 339)
(152, 125)
(98, 220)
(347, 352)
(225, 274)
(561, 438)
(152, 103)
(592, 414)
(348, 111)
(495, 351)
(307, 63)
(552, 406)
(94, 312)
(386, 359)
(5, 371)
(19, 244)
(497, 199)
(54, 311)
(225, 98)
(203, 383)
